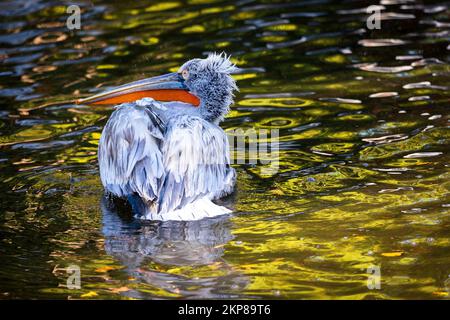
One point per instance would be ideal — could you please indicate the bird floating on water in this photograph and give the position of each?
(162, 148)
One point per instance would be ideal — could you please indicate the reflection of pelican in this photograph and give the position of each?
(137, 244)
(170, 159)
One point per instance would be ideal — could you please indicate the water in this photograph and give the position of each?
(364, 163)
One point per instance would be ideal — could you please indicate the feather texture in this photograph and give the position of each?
(175, 166)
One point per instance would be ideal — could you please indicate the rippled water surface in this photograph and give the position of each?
(364, 151)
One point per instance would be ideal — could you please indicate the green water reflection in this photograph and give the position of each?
(363, 175)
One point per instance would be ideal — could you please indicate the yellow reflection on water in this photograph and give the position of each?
(149, 41)
(182, 17)
(244, 76)
(414, 143)
(336, 147)
(337, 58)
(283, 27)
(216, 9)
(273, 38)
(243, 15)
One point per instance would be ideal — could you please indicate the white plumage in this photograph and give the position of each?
(170, 160)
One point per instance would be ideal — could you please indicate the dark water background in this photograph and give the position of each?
(364, 151)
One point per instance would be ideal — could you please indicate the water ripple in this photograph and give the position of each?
(362, 117)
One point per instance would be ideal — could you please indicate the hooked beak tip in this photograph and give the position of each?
(168, 87)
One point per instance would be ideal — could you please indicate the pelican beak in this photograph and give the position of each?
(168, 87)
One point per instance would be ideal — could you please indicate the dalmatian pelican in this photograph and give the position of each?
(162, 149)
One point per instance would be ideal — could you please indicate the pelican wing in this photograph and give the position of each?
(196, 160)
(129, 152)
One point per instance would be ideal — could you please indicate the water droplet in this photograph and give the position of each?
(380, 42)
(383, 94)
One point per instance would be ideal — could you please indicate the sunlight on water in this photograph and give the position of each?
(363, 177)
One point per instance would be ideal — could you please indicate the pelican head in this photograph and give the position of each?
(205, 84)
(210, 80)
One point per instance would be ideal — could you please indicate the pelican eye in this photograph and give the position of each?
(185, 74)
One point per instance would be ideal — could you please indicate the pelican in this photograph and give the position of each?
(162, 149)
